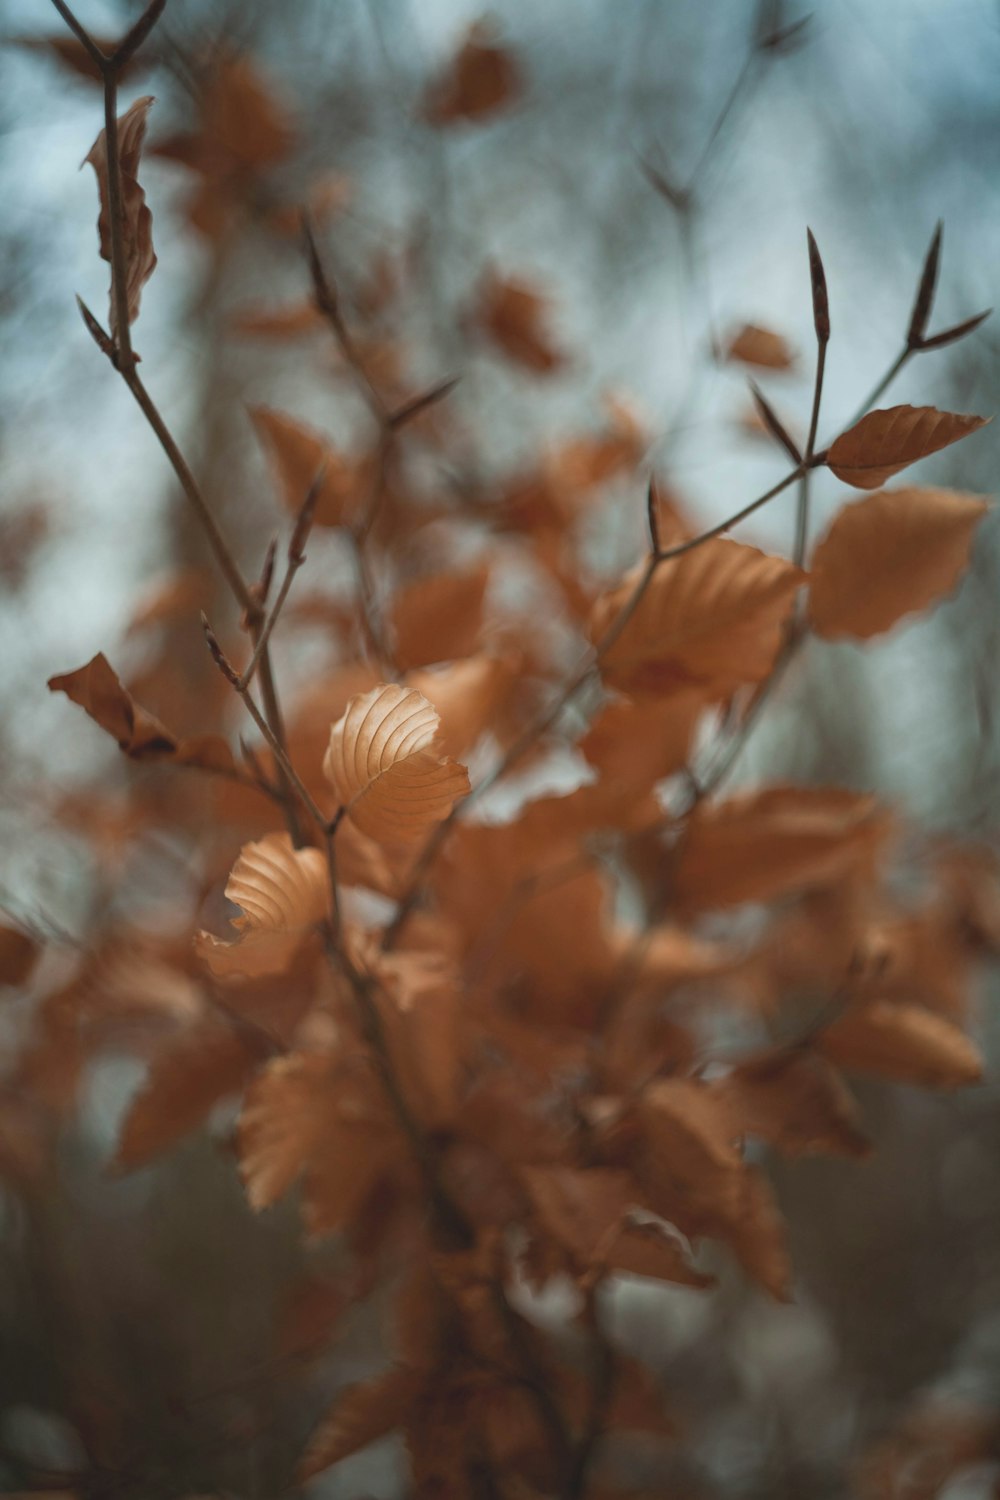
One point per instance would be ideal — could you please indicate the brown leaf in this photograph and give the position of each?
(794, 1101)
(188, 1078)
(469, 696)
(99, 693)
(886, 441)
(420, 1002)
(481, 80)
(18, 955)
(297, 455)
(712, 617)
(760, 845)
(439, 618)
(890, 555)
(283, 893)
(385, 767)
(905, 1043)
(362, 1414)
(512, 314)
(761, 348)
(635, 742)
(307, 1116)
(137, 221)
(263, 321)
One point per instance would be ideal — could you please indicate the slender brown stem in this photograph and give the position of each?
(802, 509)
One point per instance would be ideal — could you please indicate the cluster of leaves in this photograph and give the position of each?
(484, 1037)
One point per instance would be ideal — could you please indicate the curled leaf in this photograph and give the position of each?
(889, 555)
(886, 441)
(384, 764)
(136, 219)
(905, 1043)
(283, 894)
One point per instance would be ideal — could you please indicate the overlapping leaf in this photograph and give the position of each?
(283, 894)
(385, 766)
(136, 219)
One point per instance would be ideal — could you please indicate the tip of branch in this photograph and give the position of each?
(304, 519)
(653, 516)
(952, 335)
(925, 290)
(413, 408)
(774, 426)
(218, 655)
(820, 300)
(677, 197)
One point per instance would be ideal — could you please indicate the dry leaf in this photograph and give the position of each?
(890, 555)
(886, 441)
(188, 1078)
(905, 1043)
(284, 894)
(796, 1102)
(760, 347)
(635, 742)
(18, 955)
(261, 321)
(481, 80)
(711, 618)
(760, 845)
(439, 618)
(136, 219)
(298, 455)
(361, 1414)
(384, 764)
(511, 313)
(307, 1116)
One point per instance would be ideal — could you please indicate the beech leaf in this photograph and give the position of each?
(283, 893)
(297, 455)
(905, 1043)
(711, 618)
(384, 764)
(760, 347)
(884, 442)
(362, 1414)
(892, 554)
(511, 313)
(137, 221)
(481, 79)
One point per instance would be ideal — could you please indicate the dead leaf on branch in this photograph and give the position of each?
(796, 1102)
(760, 347)
(284, 894)
(386, 767)
(512, 314)
(711, 618)
(136, 219)
(886, 441)
(482, 79)
(905, 1043)
(98, 691)
(892, 554)
(297, 456)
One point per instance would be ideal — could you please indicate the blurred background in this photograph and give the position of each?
(868, 123)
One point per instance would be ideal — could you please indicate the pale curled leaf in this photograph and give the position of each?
(711, 618)
(137, 221)
(883, 442)
(283, 894)
(384, 764)
(891, 554)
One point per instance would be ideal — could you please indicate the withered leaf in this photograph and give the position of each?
(512, 313)
(439, 618)
(753, 345)
(796, 1102)
(361, 1414)
(905, 1043)
(760, 845)
(187, 1079)
(481, 80)
(711, 618)
(97, 689)
(886, 441)
(385, 765)
(18, 955)
(306, 1116)
(889, 555)
(136, 219)
(283, 894)
(297, 455)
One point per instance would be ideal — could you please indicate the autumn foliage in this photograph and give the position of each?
(479, 1028)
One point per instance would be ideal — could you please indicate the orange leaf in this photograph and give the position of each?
(187, 1079)
(283, 893)
(635, 742)
(760, 347)
(712, 617)
(481, 79)
(306, 1116)
(905, 1043)
(137, 221)
(439, 618)
(297, 455)
(886, 441)
(361, 1414)
(99, 693)
(384, 764)
(794, 1101)
(890, 555)
(760, 845)
(18, 955)
(511, 313)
